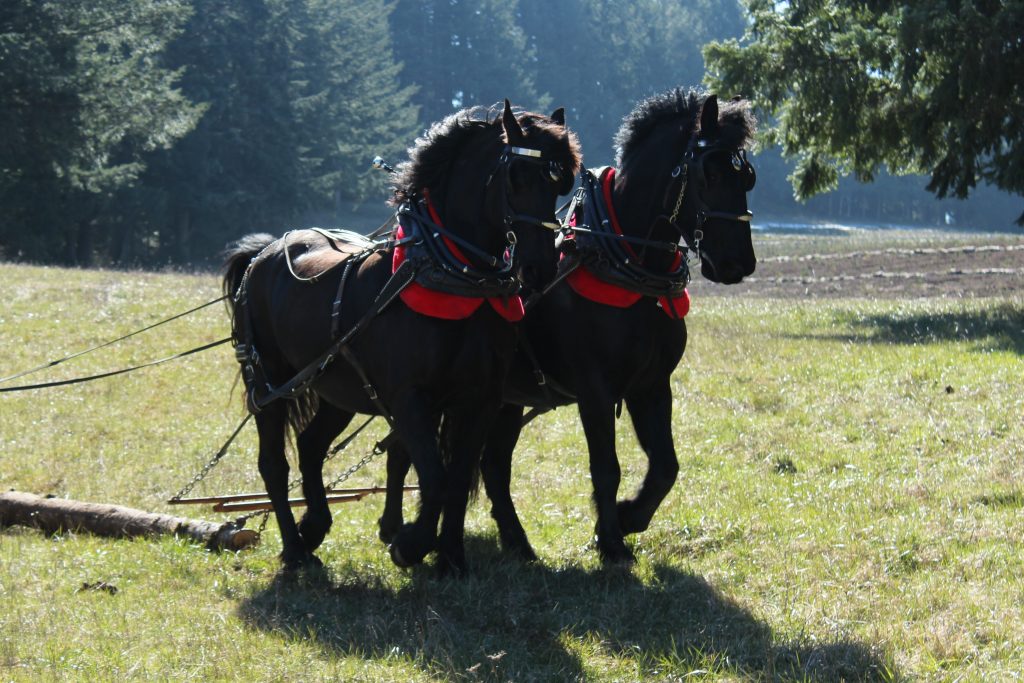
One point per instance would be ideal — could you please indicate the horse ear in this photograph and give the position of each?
(558, 116)
(513, 133)
(709, 115)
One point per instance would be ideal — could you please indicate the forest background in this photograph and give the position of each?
(152, 132)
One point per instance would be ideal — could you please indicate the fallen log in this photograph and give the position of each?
(54, 515)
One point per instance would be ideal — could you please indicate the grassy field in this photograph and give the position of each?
(849, 506)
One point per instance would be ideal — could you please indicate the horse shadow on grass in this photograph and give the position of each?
(999, 328)
(512, 621)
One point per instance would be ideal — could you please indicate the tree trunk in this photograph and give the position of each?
(54, 515)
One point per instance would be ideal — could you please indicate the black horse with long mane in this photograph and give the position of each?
(414, 326)
(612, 329)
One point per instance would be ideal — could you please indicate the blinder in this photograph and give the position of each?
(737, 158)
(691, 168)
(552, 171)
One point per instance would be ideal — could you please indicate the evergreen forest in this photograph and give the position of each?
(146, 133)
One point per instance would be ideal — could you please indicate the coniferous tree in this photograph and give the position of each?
(598, 58)
(84, 98)
(350, 101)
(461, 53)
(910, 86)
(300, 95)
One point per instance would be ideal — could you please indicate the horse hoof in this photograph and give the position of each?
(396, 557)
(628, 522)
(616, 555)
(520, 551)
(387, 531)
(312, 534)
(408, 547)
(293, 564)
(450, 568)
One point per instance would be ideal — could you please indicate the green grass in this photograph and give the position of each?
(848, 507)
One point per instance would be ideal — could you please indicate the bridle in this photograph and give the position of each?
(496, 275)
(552, 170)
(691, 167)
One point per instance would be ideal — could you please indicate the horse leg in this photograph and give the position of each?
(417, 429)
(496, 468)
(398, 464)
(271, 424)
(312, 443)
(462, 435)
(597, 414)
(651, 413)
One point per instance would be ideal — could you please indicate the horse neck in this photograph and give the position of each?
(642, 183)
(638, 199)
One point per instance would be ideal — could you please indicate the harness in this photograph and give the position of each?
(446, 284)
(610, 270)
(691, 166)
(432, 259)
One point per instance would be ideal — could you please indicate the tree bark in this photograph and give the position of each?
(54, 515)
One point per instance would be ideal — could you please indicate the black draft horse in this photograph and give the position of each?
(612, 330)
(326, 327)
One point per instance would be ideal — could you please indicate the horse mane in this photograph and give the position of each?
(431, 155)
(736, 121)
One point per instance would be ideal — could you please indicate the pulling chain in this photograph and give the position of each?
(210, 465)
(679, 199)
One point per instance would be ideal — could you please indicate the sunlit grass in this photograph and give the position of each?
(848, 506)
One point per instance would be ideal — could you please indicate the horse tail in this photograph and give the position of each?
(448, 430)
(238, 256)
(237, 259)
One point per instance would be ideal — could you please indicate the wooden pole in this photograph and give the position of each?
(239, 497)
(252, 505)
(54, 515)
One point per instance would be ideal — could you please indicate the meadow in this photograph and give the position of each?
(849, 507)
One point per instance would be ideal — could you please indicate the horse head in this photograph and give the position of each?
(495, 181)
(541, 158)
(701, 188)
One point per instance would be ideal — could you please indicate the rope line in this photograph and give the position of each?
(53, 363)
(78, 380)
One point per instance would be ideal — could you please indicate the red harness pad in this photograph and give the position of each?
(446, 306)
(589, 286)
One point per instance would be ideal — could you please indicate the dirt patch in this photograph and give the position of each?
(960, 271)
